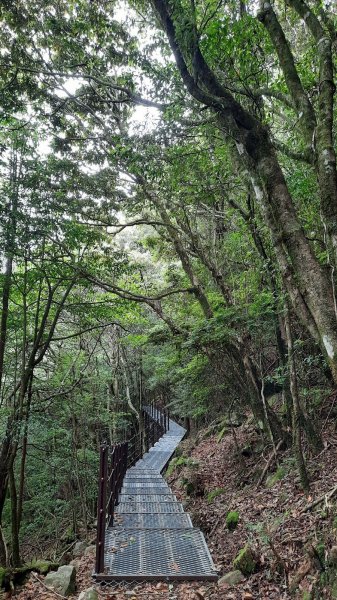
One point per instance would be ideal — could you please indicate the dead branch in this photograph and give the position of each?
(326, 496)
(269, 461)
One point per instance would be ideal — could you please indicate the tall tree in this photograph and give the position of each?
(306, 281)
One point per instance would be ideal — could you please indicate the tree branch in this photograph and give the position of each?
(300, 99)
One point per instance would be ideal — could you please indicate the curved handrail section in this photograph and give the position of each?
(114, 461)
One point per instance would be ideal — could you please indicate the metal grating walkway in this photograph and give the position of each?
(152, 538)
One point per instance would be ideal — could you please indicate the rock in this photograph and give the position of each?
(245, 561)
(231, 578)
(63, 580)
(79, 548)
(75, 563)
(89, 594)
(90, 551)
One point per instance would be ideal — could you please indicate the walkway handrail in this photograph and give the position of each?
(113, 464)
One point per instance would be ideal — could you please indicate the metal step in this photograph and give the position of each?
(152, 554)
(131, 489)
(153, 482)
(152, 521)
(149, 507)
(147, 497)
(152, 538)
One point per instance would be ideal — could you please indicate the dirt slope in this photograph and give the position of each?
(292, 544)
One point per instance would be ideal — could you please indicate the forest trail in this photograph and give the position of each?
(152, 538)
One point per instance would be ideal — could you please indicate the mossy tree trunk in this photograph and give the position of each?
(296, 412)
(307, 282)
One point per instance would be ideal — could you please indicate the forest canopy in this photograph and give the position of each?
(168, 228)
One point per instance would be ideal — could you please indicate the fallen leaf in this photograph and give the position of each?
(161, 586)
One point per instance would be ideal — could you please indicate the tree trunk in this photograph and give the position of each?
(310, 282)
(297, 433)
(14, 520)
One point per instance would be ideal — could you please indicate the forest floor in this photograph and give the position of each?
(291, 540)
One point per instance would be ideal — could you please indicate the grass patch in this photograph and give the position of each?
(214, 494)
(232, 520)
(179, 462)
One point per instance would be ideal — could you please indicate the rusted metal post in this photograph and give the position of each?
(111, 477)
(101, 509)
(125, 460)
(146, 432)
(120, 467)
(117, 450)
(152, 433)
(147, 429)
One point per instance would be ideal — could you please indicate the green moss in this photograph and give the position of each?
(214, 494)
(42, 566)
(19, 575)
(180, 461)
(245, 561)
(232, 520)
(275, 477)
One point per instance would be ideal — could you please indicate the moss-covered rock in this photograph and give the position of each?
(232, 520)
(42, 566)
(18, 576)
(89, 594)
(63, 580)
(246, 561)
(232, 578)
